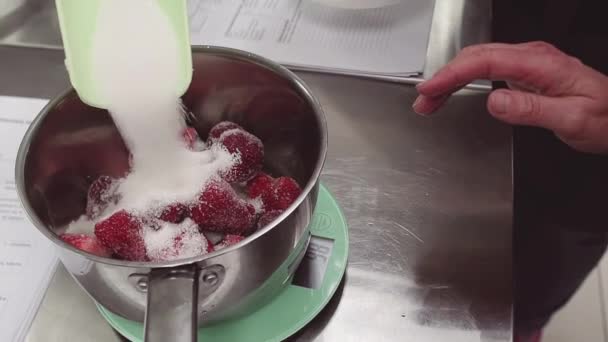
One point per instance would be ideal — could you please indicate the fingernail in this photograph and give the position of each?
(501, 101)
(416, 103)
(419, 85)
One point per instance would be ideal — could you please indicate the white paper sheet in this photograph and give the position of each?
(27, 258)
(390, 40)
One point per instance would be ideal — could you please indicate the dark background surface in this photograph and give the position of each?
(559, 194)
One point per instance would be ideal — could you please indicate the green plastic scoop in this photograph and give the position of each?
(77, 20)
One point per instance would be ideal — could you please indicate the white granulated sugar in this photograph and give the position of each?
(109, 194)
(109, 197)
(135, 54)
(213, 237)
(199, 145)
(174, 241)
(257, 204)
(81, 226)
(180, 180)
(135, 70)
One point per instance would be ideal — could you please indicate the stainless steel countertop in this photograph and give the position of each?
(428, 201)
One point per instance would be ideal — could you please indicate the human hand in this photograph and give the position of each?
(548, 89)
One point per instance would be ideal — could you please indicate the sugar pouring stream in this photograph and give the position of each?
(134, 59)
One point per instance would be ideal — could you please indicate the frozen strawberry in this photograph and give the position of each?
(219, 209)
(190, 137)
(268, 217)
(276, 194)
(174, 213)
(286, 190)
(218, 129)
(175, 241)
(102, 193)
(261, 186)
(229, 240)
(122, 233)
(87, 243)
(249, 152)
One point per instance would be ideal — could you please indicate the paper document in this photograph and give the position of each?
(389, 40)
(27, 258)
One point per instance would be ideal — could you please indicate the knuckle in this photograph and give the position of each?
(575, 61)
(562, 65)
(452, 74)
(484, 57)
(544, 46)
(467, 50)
(530, 108)
(568, 63)
(574, 125)
(476, 50)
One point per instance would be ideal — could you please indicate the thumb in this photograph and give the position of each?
(559, 115)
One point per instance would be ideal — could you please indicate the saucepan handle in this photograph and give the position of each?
(173, 298)
(172, 311)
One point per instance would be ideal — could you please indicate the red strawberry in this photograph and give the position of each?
(176, 242)
(218, 129)
(174, 213)
(276, 194)
(286, 190)
(249, 151)
(122, 232)
(190, 137)
(102, 193)
(262, 186)
(87, 243)
(229, 240)
(219, 209)
(268, 217)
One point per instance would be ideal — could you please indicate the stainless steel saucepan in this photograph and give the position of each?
(70, 144)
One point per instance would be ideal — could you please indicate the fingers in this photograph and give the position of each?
(426, 105)
(536, 65)
(561, 115)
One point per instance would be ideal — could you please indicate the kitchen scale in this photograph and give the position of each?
(313, 285)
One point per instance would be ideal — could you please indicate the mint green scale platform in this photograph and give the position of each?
(325, 263)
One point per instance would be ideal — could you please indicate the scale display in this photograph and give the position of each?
(313, 266)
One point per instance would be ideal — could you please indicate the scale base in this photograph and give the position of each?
(313, 285)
